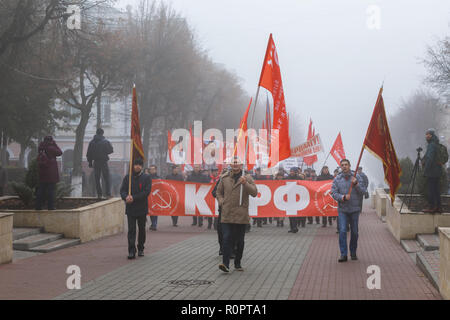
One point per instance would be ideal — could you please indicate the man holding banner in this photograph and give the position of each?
(348, 207)
(234, 216)
(136, 206)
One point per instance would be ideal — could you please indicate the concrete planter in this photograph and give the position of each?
(6, 237)
(381, 201)
(86, 223)
(444, 269)
(408, 224)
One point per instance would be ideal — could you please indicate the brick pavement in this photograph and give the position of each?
(278, 265)
(322, 277)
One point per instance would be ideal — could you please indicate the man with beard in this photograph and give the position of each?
(234, 216)
(136, 206)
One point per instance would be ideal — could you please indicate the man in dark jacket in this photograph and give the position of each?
(175, 175)
(325, 175)
(136, 206)
(197, 176)
(153, 173)
(48, 170)
(432, 171)
(3, 180)
(295, 221)
(98, 152)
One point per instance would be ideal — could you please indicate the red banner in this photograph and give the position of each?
(277, 198)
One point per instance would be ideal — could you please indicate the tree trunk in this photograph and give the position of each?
(23, 148)
(3, 158)
(99, 111)
(78, 153)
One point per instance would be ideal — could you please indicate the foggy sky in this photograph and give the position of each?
(332, 64)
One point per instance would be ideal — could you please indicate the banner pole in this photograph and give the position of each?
(246, 145)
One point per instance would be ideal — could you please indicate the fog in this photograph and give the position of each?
(332, 62)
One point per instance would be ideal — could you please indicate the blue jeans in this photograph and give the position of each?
(345, 219)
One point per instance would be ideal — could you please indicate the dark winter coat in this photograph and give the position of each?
(49, 173)
(324, 177)
(198, 177)
(289, 177)
(176, 177)
(98, 150)
(431, 167)
(141, 186)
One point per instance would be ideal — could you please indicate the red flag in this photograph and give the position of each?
(378, 141)
(337, 151)
(271, 80)
(250, 161)
(170, 145)
(136, 142)
(311, 159)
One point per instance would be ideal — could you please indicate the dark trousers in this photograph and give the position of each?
(293, 222)
(301, 221)
(324, 221)
(434, 194)
(141, 221)
(1, 191)
(210, 222)
(101, 169)
(174, 220)
(233, 234)
(310, 220)
(219, 231)
(46, 191)
(154, 220)
(200, 221)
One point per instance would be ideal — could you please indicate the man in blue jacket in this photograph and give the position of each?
(136, 206)
(349, 207)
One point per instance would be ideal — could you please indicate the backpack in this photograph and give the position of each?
(442, 154)
(43, 160)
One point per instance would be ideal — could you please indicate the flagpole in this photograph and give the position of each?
(131, 151)
(362, 149)
(246, 145)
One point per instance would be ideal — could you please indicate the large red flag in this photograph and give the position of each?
(241, 143)
(170, 145)
(378, 141)
(271, 80)
(309, 161)
(136, 142)
(337, 151)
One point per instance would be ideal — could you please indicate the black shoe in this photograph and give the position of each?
(131, 256)
(342, 259)
(354, 257)
(175, 225)
(238, 268)
(200, 225)
(194, 224)
(141, 253)
(224, 268)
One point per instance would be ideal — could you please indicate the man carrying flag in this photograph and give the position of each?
(136, 187)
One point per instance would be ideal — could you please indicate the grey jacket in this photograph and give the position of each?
(341, 186)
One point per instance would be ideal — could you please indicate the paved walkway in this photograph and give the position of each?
(278, 265)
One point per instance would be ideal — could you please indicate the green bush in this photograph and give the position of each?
(24, 192)
(62, 190)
